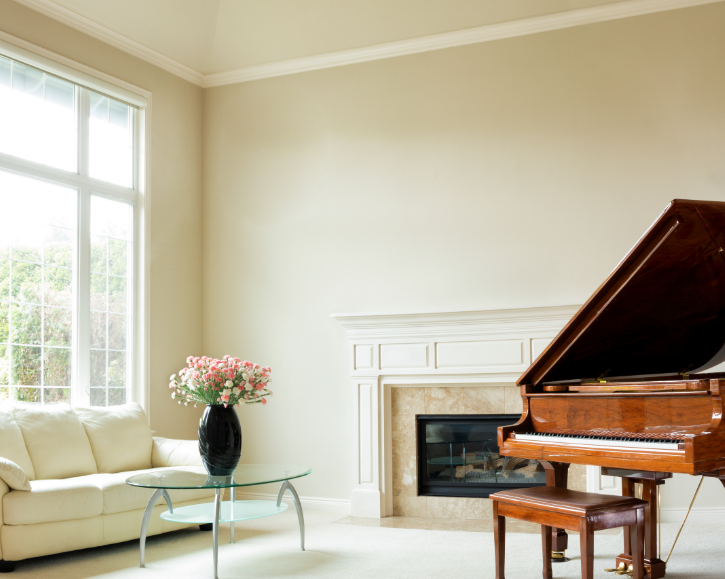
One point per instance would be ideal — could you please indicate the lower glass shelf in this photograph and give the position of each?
(239, 511)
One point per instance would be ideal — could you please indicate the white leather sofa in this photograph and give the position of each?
(63, 472)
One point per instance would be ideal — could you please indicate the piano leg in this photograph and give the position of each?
(718, 474)
(557, 474)
(650, 529)
(654, 564)
(721, 476)
(627, 491)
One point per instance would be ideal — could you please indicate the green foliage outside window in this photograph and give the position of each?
(39, 315)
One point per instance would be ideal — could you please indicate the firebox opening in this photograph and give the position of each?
(458, 457)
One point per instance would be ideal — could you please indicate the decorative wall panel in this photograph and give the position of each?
(484, 354)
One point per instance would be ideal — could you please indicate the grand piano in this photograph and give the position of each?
(630, 383)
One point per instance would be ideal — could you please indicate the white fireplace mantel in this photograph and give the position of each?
(478, 346)
(430, 349)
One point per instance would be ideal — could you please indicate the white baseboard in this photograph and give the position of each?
(698, 515)
(341, 506)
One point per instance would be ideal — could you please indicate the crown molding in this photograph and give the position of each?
(487, 33)
(113, 38)
(624, 9)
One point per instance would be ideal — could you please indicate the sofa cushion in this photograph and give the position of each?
(12, 445)
(56, 441)
(26, 541)
(13, 475)
(120, 437)
(54, 500)
(119, 497)
(170, 452)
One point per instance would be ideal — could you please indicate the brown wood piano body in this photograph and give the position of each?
(694, 419)
(631, 381)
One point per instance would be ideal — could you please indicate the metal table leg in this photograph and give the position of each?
(215, 533)
(147, 517)
(231, 525)
(286, 485)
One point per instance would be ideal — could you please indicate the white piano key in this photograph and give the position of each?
(598, 441)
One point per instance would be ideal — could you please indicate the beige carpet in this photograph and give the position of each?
(268, 548)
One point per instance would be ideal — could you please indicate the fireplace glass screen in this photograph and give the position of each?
(458, 456)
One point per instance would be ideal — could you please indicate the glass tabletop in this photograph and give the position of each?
(197, 478)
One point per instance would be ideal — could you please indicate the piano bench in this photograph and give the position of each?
(553, 507)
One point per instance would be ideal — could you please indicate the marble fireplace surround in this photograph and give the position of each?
(406, 403)
(463, 361)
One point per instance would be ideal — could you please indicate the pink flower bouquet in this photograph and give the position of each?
(228, 381)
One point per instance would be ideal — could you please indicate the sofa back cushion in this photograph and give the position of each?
(12, 445)
(120, 437)
(56, 441)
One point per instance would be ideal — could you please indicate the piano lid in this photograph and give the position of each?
(660, 312)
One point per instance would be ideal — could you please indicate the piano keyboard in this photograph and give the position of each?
(590, 440)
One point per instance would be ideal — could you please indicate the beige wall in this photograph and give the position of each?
(508, 174)
(175, 201)
(513, 173)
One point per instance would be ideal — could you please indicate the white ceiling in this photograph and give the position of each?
(211, 36)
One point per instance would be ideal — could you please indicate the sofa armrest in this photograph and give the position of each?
(13, 475)
(169, 452)
(4, 489)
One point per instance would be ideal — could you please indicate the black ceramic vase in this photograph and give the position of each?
(220, 439)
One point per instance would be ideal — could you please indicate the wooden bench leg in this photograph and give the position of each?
(546, 551)
(627, 491)
(637, 547)
(586, 540)
(499, 539)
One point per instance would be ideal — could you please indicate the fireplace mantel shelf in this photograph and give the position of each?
(392, 324)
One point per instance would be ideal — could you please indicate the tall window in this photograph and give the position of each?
(68, 191)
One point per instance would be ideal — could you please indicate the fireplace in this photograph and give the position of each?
(441, 363)
(458, 457)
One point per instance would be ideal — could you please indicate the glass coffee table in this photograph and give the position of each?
(219, 511)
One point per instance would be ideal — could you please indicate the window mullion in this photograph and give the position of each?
(84, 121)
(82, 333)
(52, 175)
(43, 300)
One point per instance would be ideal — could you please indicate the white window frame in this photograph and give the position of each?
(138, 195)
